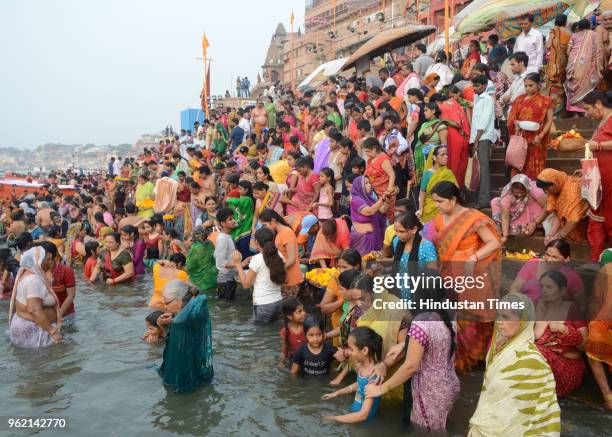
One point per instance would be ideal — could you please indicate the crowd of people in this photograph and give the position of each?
(360, 178)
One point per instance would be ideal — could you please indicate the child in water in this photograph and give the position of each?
(91, 255)
(366, 350)
(292, 335)
(315, 357)
(154, 331)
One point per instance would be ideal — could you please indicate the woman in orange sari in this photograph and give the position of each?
(599, 343)
(455, 118)
(556, 44)
(536, 107)
(379, 170)
(332, 239)
(469, 246)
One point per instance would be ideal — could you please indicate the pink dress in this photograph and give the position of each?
(521, 213)
(435, 386)
(305, 193)
(324, 212)
(531, 287)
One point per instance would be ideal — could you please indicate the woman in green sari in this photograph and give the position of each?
(271, 109)
(145, 196)
(220, 138)
(431, 134)
(200, 265)
(333, 114)
(244, 211)
(431, 177)
(187, 360)
(518, 395)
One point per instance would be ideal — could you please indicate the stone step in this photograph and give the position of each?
(580, 251)
(500, 153)
(580, 124)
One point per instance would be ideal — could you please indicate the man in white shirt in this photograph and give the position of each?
(245, 124)
(531, 42)
(117, 166)
(483, 135)
(383, 75)
(518, 64)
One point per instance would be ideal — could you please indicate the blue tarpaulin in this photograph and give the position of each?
(190, 116)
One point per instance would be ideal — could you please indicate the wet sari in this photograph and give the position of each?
(456, 241)
(454, 116)
(531, 108)
(557, 63)
(201, 266)
(144, 199)
(324, 249)
(518, 392)
(584, 67)
(187, 360)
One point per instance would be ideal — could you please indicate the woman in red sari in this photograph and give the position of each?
(379, 170)
(307, 188)
(471, 59)
(332, 239)
(533, 106)
(468, 245)
(600, 222)
(455, 118)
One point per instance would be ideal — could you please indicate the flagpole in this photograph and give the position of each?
(293, 53)
(446, 26)
(204, 88)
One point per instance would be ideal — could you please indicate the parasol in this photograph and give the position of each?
(322, 73)
(440, 41)
(388, 40)
(502, 14)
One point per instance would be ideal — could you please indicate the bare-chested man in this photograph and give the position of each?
(131, 218)
(43, 216)
(259, 119)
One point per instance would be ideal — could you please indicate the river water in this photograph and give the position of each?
(101, 379)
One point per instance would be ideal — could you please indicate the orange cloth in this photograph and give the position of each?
(283, 237)
(599, 344)
(161, 276)
(330, 250)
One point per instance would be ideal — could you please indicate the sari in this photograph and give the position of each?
(244, 211)
(221, 138)
(455, 118)
(600, 220)
(531, 108)
(271, 200)
(323, 249)
(305, 193)
(428, 138)
(584, 67)
(70, 253)
(201, 266)
(522, 211)
(144, 199)
(471, 59)
(569, 205)
(23, 332)
(429, 207)
(165, 195)
(113, 268)
(271, 109)
(518, 392)
(456, 241)
(187, 360)
(557, 63)
(369, 241)
(379, 178)
(599, 344)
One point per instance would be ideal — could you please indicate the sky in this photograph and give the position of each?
(107, 71)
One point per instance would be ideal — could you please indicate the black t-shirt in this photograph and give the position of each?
(311, 364)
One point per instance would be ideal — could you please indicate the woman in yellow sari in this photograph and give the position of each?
(469, 246)
(437, 173)
(145, 196)
(556, 45)
(518, 395)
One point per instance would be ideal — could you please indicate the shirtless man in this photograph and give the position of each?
(259, 119)
(130, 217)
(605, 36)
(43, 217)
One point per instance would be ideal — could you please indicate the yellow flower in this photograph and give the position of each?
(145, 204)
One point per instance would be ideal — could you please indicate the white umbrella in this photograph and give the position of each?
(322, 73)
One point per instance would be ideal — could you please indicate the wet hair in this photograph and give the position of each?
(533, 77)
(290, 306)
(598, 96)
(367, 337)
(432, 289)
(272, 259)
(556, 276)
(561, 245)
(152, 318)
(268, 214)
(24, 241)
(223, 214)
(90, 248)
(129, 229)
(313, 322)
(178, 259)
(448, 190)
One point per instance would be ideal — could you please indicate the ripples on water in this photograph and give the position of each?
(101, 378)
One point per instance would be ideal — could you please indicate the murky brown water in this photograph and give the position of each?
(101, 379)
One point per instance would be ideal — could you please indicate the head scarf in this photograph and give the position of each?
(31, 262)
(200, 234)
(360, 198)
(568, 204)
(519, 178)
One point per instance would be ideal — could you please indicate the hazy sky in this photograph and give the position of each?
(78, 71)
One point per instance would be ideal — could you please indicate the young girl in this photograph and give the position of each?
(292, 335)
(176, 244)
(366, 350)
(153, 242)
(315, 357)
(91, 255)
(325, 201)
(264, 198)
(154, 330)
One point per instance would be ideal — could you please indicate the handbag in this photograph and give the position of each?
(591, 179)
(516, 153)
(472, 174)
